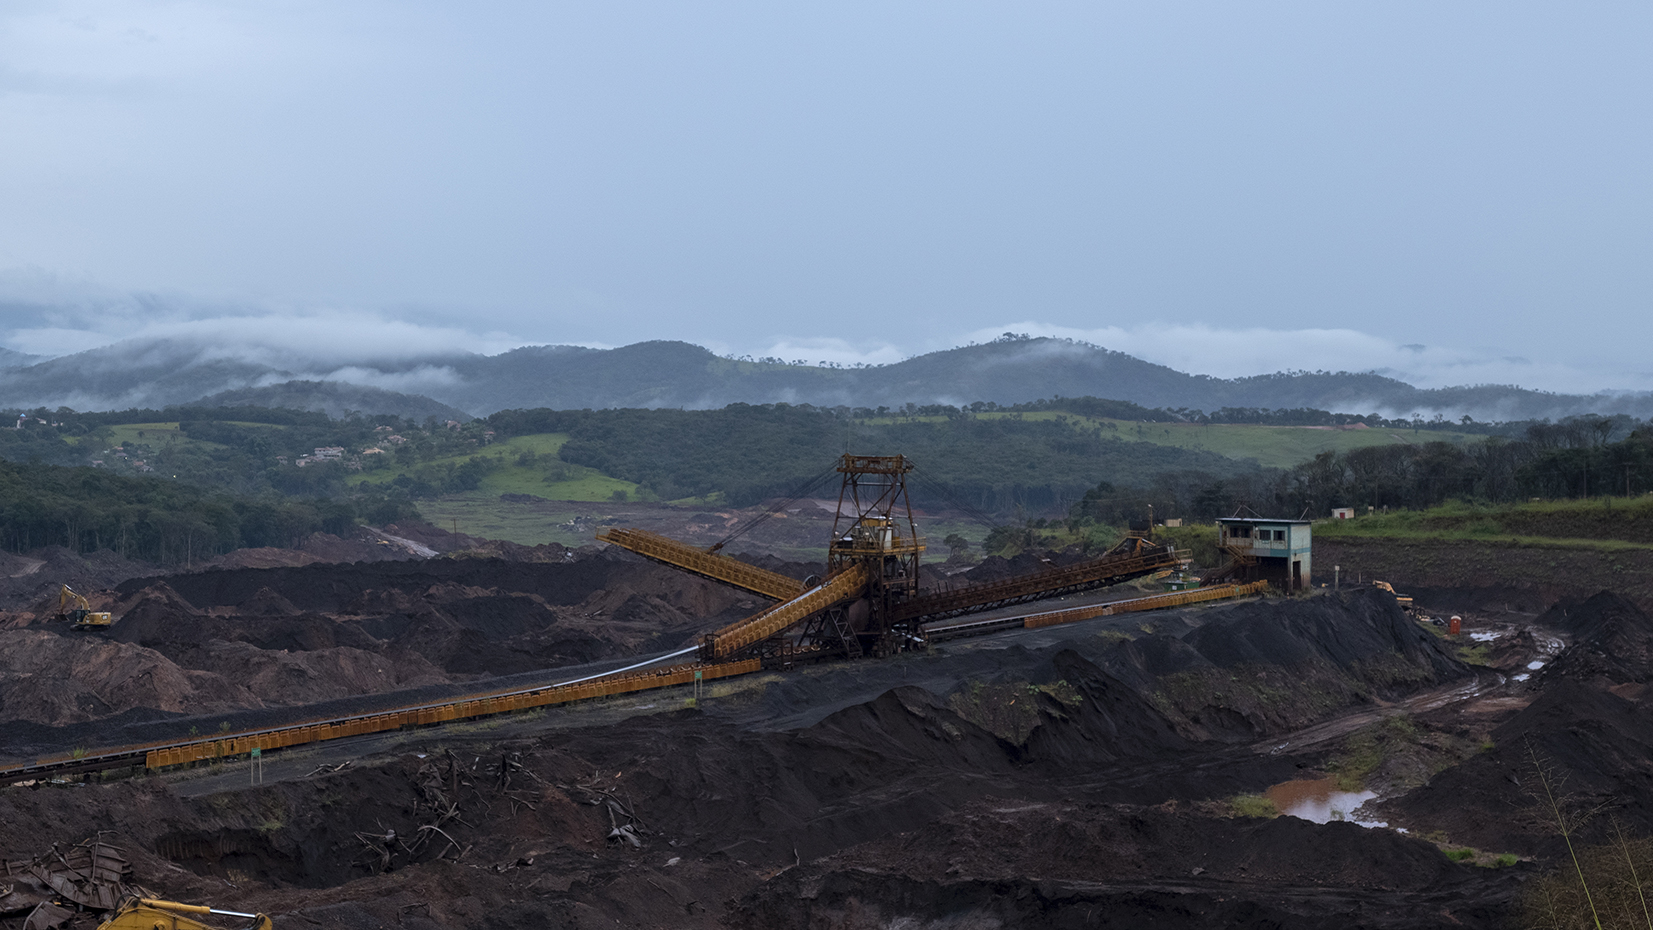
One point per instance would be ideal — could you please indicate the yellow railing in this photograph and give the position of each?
(847, 584)
(1156, 602)
(242, 744)
(716, 567)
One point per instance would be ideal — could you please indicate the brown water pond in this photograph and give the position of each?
(1319, 800)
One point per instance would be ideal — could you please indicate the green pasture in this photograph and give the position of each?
(1600, 523)
(1271, 446)
(482, 513)
(154, 435)
(527, 465)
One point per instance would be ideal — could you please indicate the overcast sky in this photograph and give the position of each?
(1456, 192)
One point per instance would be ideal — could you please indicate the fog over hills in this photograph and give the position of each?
(158, 372)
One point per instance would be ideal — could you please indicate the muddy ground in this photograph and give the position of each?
(1098, 774)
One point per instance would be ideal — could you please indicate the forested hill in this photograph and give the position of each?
(747, 454)
(159, 373)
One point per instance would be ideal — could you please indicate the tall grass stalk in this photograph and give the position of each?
(1548, 782)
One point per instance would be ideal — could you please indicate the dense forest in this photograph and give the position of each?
(160, 520)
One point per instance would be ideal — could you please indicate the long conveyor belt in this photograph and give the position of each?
(1110, 569)
(722, 568)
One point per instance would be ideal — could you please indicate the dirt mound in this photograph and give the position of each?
(262, 557)
(1267, 666)
(50, 679)
(281, 677)
(1100, 721)
(154, 605)
(1512, 651)
(59, 566)
(266, 603)
(1359, 628)
(1006, 862)
(999, 568)
(1611, 639)
(1595, 746)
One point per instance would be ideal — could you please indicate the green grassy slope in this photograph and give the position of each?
(1270, 446)
(1603, 523)
(525, 465)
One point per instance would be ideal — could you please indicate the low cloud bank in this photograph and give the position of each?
(1239, 353)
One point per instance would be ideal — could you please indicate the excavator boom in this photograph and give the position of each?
(150, 914)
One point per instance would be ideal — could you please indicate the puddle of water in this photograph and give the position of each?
(1484, 637)
(1319, 800)
(1535, 665)
(1521, 677)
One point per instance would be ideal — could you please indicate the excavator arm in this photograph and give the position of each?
(77, 610)
(150, 914)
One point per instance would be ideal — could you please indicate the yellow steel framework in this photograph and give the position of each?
(722, 568)
(851, 582)
(476, 706)
(1132, 558)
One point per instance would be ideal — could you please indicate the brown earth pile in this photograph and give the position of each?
(1612, 640)
(1270, 666)
(245, 638)
(51, 679)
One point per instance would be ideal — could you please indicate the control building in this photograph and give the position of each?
(1276, 551)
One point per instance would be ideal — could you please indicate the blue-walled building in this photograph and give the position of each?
(1277, 551)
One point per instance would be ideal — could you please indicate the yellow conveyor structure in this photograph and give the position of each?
(722, 568)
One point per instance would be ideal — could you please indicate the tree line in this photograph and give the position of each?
(1587, 456)
(158, 520)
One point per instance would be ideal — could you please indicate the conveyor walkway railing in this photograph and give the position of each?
(759, 627)
(722, 568)
(1096, 573)
(942, 633)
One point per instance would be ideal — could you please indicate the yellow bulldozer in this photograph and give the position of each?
(150, 914)
(74, 609)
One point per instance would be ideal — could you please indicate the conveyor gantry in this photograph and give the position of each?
(732, 639)
(730, 571)
(1132, 558)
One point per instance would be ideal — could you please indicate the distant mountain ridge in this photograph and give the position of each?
(158, 373)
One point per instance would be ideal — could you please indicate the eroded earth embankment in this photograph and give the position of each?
(222, 641)
(1068, 776)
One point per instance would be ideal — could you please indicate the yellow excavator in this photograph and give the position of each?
(150, 914)
(75, 609)
(1405, 601)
